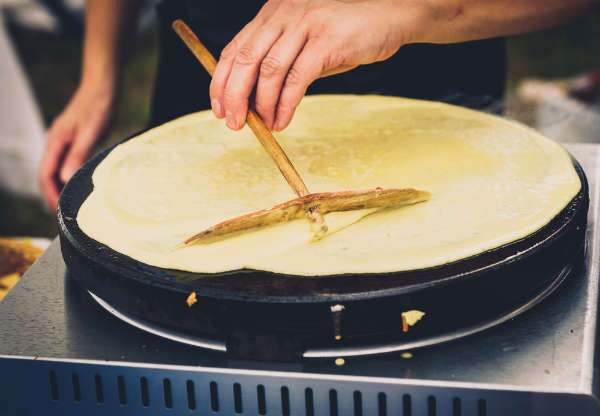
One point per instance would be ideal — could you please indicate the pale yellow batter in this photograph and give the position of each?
(492, 182)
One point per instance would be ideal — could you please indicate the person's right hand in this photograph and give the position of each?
(71, 137)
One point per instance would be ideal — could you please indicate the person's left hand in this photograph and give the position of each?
(290, 43)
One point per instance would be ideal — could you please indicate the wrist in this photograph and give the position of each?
(424, 20)
(103, 89)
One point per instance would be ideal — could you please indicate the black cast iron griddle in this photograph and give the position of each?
(263, 315)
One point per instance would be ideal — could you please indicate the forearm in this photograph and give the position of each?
(451, 21)
(106, 28)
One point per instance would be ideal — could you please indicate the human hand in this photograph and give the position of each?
(71, 137)
(290, 43)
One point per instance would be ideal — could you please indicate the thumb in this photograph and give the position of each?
(78, 153)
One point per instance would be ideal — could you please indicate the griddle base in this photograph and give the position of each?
(384, 348)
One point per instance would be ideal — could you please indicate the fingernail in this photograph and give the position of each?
(216, 107)
(229, 119)
(279, 117)
(65, 175)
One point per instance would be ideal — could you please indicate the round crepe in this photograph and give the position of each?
(492, 181)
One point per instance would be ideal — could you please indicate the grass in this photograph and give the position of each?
(21, 216)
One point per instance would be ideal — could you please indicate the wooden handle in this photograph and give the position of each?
(262, 133)
(266, 138)
(193, 43)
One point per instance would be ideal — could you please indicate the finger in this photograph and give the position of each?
(226, 60)
(57, 140)
(308, 66)
(244, 74)
(223, 68)
(80, 149)
(52, 199)
(272, 72)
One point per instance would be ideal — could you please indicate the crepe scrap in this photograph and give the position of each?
(410, 318)
(191, 299)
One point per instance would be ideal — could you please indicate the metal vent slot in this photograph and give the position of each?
(99, 390)
(237, 398)
(76, 387)
(333, 403)
(167, 395)
(239, 395)
(191, 395)
(456, 407)
(358, 406)
(431, 406)
(115, 390)
(121, 390)
(481, 407)
(309, 402)
(261, 399)
(145, 395)
(406, 405)
(285, 401)
(53, 386)
(214, 397)
(382, 404)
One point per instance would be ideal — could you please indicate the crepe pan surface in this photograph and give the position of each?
(248, 283)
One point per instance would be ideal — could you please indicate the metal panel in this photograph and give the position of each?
(52, 385)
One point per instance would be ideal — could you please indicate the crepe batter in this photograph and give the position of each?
(492, 181)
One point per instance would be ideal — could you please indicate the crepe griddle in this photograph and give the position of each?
(264, 315)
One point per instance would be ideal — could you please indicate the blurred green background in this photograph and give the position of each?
(52, 62)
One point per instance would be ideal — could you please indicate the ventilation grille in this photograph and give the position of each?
(212, 397)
